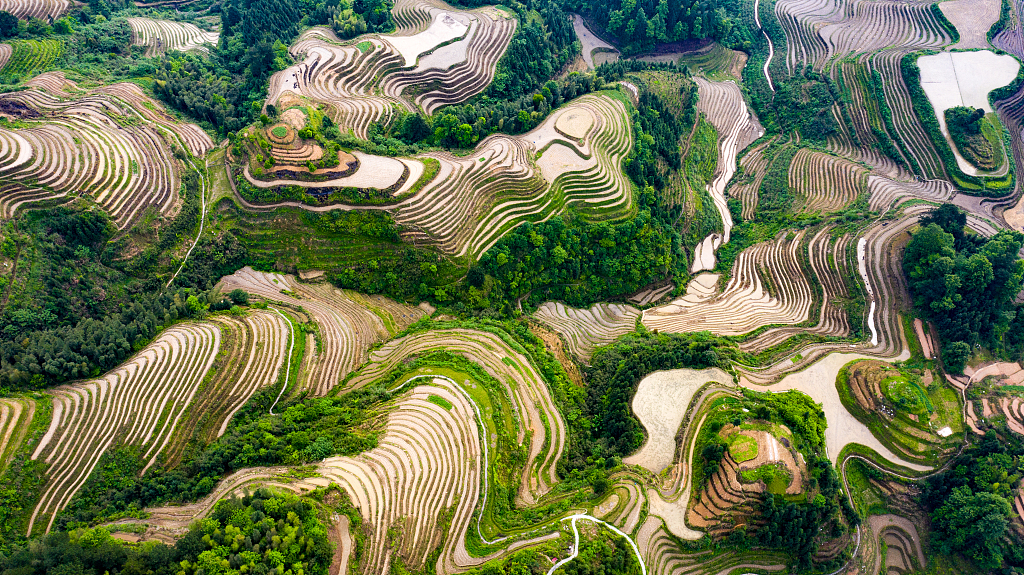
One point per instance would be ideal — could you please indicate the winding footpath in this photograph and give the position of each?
(202, 217)
(576, 542)
(771, 48)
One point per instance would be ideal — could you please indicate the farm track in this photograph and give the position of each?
(112, 144)
(524, 387)
(361, 87)
(587, 329)
(161, 36)
(140, 404)
(347, 326)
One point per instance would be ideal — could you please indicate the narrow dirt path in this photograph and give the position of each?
(202, 216)
(771, 48)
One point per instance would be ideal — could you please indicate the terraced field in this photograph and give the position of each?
(253, 352)
(449, 61)
(584, 330)
(111, 144)
(824, 182)
(769, 285)
(43, 9)
(140, 404)
(524, 387)
(16, 414)
(348, 324)
(28, 56)
(160, 36)
(476, 199)
(723, 105)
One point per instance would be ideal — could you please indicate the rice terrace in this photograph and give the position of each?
(637, 287)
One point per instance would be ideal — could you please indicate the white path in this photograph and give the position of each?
(771, 48)
(576, 543)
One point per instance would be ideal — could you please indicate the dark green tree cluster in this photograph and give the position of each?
(302, 432)
(225, 90)
(803, 102)
(795, 527)
(639, 25)
(965, 129)
(81, 313)
(966, 284)
(970, 504)
(574, 261)
(258, 534)
(537, 51)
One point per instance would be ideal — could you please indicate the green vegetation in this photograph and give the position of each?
(572, 260)
(31, 56)
(610, 428)
(978, 136)
(440, 401)
(965, 284)
(742, 447)
(775, 477)
(279, 131)
(970, 503)
(639, 26)
(259, 533)
(74, 308)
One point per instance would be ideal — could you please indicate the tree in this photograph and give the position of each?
(973, 524)
(955, 355)
(8, 24)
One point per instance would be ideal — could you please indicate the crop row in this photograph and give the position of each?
(768, 286)
(526, 389)
(5, 54)
(255, 347)
(584, 330)
(885, 288)
(160, 36)
(140, 403)
(347, 329)
(476, 199)
(106, 143)
(15, 416)
(829, 267)
(48, 10)
(663, 555)
(755, 166)
(428, 464)
(363, 80)
(818, 31)
(824, 182)
(27, 56)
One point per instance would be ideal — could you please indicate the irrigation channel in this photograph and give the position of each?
(202, 217)
(771, 48)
